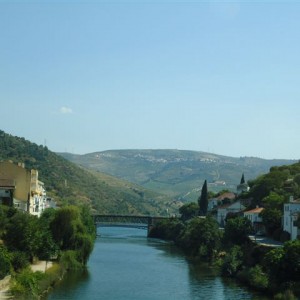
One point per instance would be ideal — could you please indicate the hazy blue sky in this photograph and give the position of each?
(217, 76)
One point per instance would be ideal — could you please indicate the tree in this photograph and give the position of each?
(237, 230)
(273, 201)
(242, 179)
(271, 218)
(65, 226)
(73, 231)
(233, 261)
(201, 237)
(189, 210)
(4, 262)
(23, 234)
(203, 200)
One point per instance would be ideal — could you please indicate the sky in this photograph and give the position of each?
(213, 76)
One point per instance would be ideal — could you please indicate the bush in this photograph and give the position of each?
(167, 229)
(52, 275)
(26, 284)
(19, 260)
(232, 262)
(257, 278)
(287, 295)
(69, 260)
(4, 262)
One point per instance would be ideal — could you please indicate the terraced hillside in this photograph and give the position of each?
(69, 183)
(176, 173)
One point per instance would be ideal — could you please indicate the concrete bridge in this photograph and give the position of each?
(133, 221)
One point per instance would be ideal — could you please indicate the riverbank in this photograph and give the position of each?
(270, 269)
(4, 287)
(41, 266)
(127, 265)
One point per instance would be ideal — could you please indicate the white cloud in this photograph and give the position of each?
(65, 110)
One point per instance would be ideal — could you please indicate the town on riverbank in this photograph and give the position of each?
(251, 234)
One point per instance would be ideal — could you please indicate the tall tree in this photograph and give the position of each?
(203, 200)
(242, 179)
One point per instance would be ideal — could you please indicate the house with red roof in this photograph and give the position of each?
(254, 216)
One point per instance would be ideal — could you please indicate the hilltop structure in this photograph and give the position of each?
(21, 188)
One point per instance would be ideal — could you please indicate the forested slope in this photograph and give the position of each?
(68, 183)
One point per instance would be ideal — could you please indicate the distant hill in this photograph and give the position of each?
(69, 183)
(176, 173)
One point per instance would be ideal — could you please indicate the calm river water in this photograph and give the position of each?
(127, 265)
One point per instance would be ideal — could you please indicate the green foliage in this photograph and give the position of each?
(233, 261)
(201, 237)
(71, 184)
(273, 200)
(65, 225)
(283, 181)
(168, 229)
(237, 230)
(69, 260)
(203, 200)
(174, 173)
(26, 284)
(257, 278)
(4, 262)
(19, 260)
(271, 218)
(242, 179)
(286, 295)
(71, 229)
(189, 211)
(22, 234)
(283, 264)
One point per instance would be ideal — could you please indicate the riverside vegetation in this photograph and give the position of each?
(273, 271)
(65, 236)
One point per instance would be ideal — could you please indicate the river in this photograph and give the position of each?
(126, 265)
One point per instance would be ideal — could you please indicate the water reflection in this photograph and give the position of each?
(127, 265)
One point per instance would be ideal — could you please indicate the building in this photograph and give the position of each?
(291, 211)
(254, 216)
(7, 187)
(222, 199)
(231, 208)
(20, 187)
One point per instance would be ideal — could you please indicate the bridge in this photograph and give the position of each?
(133, 221)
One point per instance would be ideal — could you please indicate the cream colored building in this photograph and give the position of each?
(28, 192)
(291, 212)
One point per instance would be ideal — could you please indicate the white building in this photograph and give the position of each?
(214, 202)
(254, 216)
(291, 212)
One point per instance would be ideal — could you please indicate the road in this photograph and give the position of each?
(265, 241)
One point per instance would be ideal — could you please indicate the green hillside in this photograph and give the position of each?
(176, 173)
(69, 183)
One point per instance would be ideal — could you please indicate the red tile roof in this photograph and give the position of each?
(256, 210)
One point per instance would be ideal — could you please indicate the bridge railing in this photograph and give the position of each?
(117, 220)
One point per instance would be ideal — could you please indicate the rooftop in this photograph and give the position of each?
(256, 210)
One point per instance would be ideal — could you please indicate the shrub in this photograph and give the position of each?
(25, 284)
(69, 260)
(232, 262)
(287, 295)
(4, 262)
(257, 278)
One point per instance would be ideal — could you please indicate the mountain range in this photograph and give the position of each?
(176, 173)
(69, 183)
